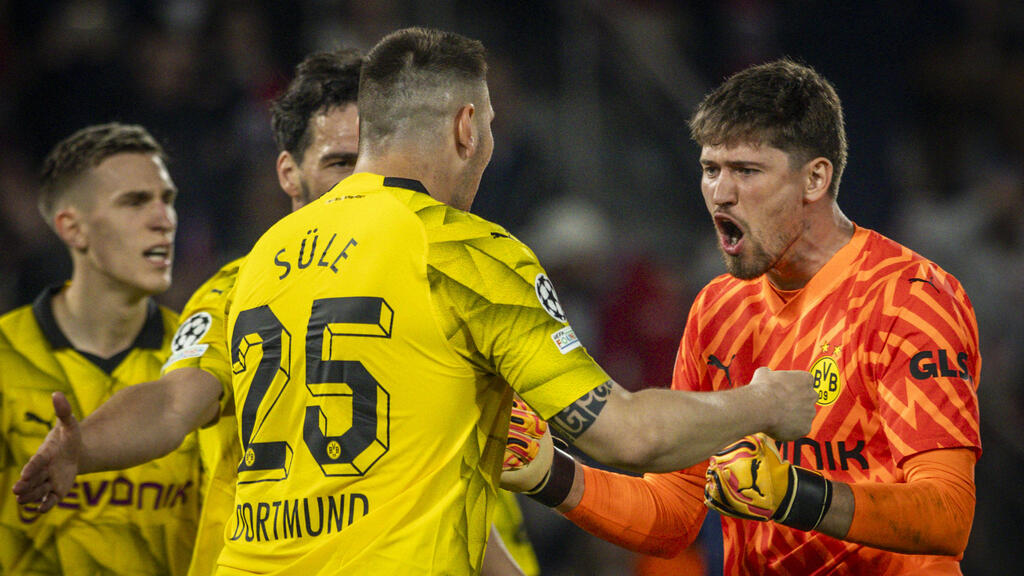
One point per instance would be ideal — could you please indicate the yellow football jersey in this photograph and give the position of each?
(376, 336)
(201, 342)
(139, 521)
(508, 521)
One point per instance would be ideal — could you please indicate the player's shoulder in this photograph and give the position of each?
(169, 318)
(453, 231)
(212, 293)
(723, 288)
(17, 325)
(893, 268)
(11, 320)
(11, 324)
(24, 347)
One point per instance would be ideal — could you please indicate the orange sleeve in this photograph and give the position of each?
(931, 513)
(657, 514)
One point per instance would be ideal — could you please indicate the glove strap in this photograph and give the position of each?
(807, 500)
(556, 485)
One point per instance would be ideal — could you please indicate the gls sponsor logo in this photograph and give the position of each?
(930, 364)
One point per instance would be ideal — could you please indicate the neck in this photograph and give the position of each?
(414, 165)
(100, 321)
(821, 239)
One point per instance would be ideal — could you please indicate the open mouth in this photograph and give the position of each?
(729, 233)
(158, 254)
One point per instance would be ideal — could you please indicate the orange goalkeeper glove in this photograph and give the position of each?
(750, 480)
(526, 432)
(532, 464)
(528, 450)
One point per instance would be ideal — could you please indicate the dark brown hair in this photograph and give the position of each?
(323, 80)
(783, 104)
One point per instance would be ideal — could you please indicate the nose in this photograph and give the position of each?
(164, 217)
(722, 190)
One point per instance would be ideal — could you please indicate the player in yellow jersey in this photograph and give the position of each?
(107, 194)
(376, 339)
(883, 482)
(316, 128)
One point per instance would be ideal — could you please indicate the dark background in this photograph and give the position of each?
(593, 164)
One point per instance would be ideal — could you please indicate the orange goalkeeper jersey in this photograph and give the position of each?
(892, 342)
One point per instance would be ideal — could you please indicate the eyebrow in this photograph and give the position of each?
(143, 193)
(133, 194)
(346, 156)
(733, 163)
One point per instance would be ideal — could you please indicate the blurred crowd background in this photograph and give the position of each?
(593, 163)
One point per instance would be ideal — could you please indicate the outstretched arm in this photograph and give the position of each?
(663, 430)
(138, 424)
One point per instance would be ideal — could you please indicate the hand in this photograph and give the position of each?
(528, 450)
(790, 396)
(750, 480)
(50, 473)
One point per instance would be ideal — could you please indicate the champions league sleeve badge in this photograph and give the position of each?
(548, 299)
(186, 341)
(565, 339)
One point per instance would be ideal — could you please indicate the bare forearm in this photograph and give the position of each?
(665, 430)
(696, 425)
(147, 421)
(126, 430)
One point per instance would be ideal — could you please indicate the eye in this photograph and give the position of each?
(710, 171)
(134, 198)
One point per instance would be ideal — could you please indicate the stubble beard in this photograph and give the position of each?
(750, 268)
(305, 194)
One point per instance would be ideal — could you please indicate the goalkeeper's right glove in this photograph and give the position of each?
(750, 480)
(532, 465)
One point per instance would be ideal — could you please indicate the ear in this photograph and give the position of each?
(465, 132)
(288, 174)
(67, 223)
(819, 178)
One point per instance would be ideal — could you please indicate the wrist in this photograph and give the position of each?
(557, 485)
(757, 409)
(579, 484)
(807, 500)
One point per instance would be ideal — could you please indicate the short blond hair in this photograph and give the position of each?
(82, 151)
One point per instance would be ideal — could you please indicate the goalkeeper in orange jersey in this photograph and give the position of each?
(883, 483)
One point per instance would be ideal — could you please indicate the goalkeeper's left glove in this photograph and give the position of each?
(532, 464)
(750, 480)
